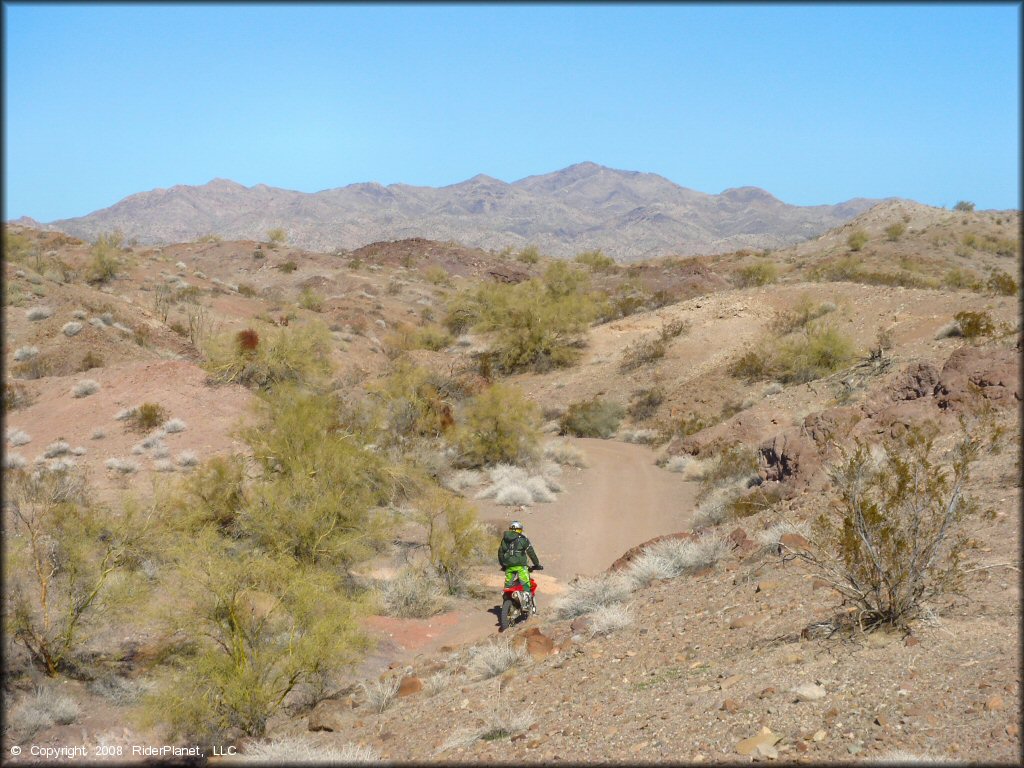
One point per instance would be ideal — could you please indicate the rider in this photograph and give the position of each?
(512, 554)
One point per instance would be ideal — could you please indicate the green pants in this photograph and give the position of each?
(517, 570)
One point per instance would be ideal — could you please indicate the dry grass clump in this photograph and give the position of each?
(187, 459)
(121, 466)
(300, 750)
(86, 387)
(462, 479)
(42, 709)
(769, 537)
(816, 351)
(678, 463)
(501, 723)
(36, 314)
(640, 436)
(14, 461)
(565, 453)
(71, 329)
(380, 694)
(99, 433)
(511, 486)
(587, 595)
(646, 351)
(173, 426)
(491, 659)
(57, 448)
(18, 437)
(672, 557)
(610, 618)
(592, 418)
(23, 354)
(412, 593)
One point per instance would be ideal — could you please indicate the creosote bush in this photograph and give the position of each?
(857, 239)
(974, 325)
(147, 416)
(592, 418)
(292, 354)
(894, 538)
(815, 352)
(762, 273)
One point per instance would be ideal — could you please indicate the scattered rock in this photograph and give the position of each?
(794, 541)
(581, 625)
(820, 584)
(911, 641)
(809, 692)
(767, 585)
(731, 681)
(753, 744)
(730, 705)
(818, 736)
(995, 703)
(766, 692)
(740, 622)
(409, 686)
(632, 554)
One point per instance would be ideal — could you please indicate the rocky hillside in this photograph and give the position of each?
(628, 215)
(681, 617)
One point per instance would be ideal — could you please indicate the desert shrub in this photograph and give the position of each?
(287, 267)
(381, 694)
(22, 354)
(499, 425)
(895, 231)
(412, 402)
(491, 659)
(104, 260)
(45, 707)
(770, 537)
(36, 314)
(277, 236)
(588, 595)
(731, 464)
(435, 274)
(90, 360)
(261, 624)
(292, 354)
(895, 539)
(147, 416)
(406, 337)
(1001, 284)
(212, 495)
(646, 351)
(974, 325)
(71, 329)
(753, 365)
(592, 418)
(564, 453)
(818, 351)
(86, 387)
(610, 618)
(412, 593)
(596, 260)
(644, 403)
(640, 436)
(244, 289)
(857, 239)
(65, 554)
(803, 312)
(964, 206)
(537, 324)
(762, 273)
(514, 486)
(960, 278)
(311, 300)
(455, 538)
(529, 255)
(16, 396)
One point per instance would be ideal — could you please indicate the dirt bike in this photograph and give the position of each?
(517, 603)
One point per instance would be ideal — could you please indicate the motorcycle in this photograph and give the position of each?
(517, 602)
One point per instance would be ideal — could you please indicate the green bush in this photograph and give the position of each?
(803, 312)
(288, 267)
(277, 236)
(596, 260)
(455, 538)
(437, 275)
(763, 273)
(413, 402)
(816, 352)
(644, 403)
(529, 255)
(147, 416)
(499, 426)
(67, 562)
(104, 260)
(1001, 284)
(895, 231)
(646, 351)
(592, 418)
(406, 337)
(292, 354)
(311, 300)
(857, 240)
(974, 325)
(964, 206)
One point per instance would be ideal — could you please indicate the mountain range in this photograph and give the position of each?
(627, 214)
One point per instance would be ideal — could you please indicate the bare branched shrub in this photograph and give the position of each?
(412, 593)
(380, 694)
(894, 537)
(42, 709)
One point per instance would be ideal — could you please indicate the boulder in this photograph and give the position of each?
(972, 375)
(409, 686)
(330, 715)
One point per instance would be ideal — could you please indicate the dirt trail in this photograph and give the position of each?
(620, 500)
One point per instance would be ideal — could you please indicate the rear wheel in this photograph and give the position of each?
(509, 613)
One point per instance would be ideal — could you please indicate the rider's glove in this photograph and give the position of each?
(538, 567)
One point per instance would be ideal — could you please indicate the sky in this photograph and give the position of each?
(815, 103)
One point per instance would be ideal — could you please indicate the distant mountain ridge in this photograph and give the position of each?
(629, 215)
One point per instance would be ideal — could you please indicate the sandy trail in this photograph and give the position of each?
(620, 500)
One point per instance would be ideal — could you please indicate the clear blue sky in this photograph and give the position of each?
(814, 103)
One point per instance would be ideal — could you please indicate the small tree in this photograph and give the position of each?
(500, 425)
(104, 261)
(454, 535)
(894, 539)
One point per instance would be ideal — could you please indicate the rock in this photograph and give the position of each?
(329, 715)
(706, 571)
(911, 641)
(740, 622)
(881, 720)
(1012, 730)
(820, 584)
(915, 381)
(854, 749)
(581, 625)
(794, 541)
(539, 646)
(737, 537)
(409, 686)
(730, 705)
(752, 744)
(818, 736)
(972, 374)
(766, 692)
(801, 746)
(809, 692)
(767, 585)
(731, 681)
(995, 703)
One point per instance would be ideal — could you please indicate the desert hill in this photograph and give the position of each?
(719, 428)
(627, 214)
